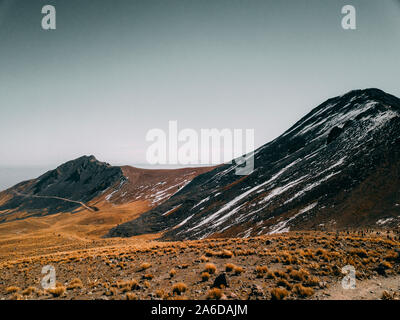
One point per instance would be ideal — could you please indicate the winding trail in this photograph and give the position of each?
(54, 197)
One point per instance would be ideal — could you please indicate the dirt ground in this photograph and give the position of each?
(295, 265)
(370, 289)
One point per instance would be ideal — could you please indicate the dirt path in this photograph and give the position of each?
(54, 197)
(370, 289)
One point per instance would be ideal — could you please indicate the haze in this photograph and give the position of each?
(112, 70)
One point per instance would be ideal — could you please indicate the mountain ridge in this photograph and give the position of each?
(319, 174)
(88, 184)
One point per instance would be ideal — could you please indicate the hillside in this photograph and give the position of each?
(336, 168)
(89, 196)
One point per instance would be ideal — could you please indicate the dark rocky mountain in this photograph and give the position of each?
(88, 184)
(336, 168)
(65, 188)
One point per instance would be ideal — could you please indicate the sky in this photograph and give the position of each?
(113, 70)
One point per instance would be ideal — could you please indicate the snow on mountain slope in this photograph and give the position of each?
(336, 168)
(88, 184)
(150, 185)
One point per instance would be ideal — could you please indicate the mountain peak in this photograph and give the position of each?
(368, 106)
(335, 168)
(83, 159)
(64, 188)
(373, 93)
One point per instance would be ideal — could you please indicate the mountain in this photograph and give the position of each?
(337, 168)
(90, 185)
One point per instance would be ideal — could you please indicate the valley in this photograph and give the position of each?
(294, 265)
(323, 196)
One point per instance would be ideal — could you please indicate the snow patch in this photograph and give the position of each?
(281, 227)
(384, 221)
(184, 221)
(169, 211)
(202, 201)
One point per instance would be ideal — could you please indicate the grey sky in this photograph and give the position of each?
(115, 69)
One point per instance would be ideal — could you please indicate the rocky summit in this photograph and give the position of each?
(336, 168)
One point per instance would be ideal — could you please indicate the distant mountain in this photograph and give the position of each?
(87, 184)
(336, 168)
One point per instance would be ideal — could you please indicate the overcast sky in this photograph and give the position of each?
(112, 70)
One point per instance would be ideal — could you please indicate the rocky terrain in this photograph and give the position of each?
(294, 265)
(78, 181)
(89, 185)
(322, 196)
(336, 168)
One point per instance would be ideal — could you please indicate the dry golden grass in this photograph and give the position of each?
(302, 291)
(391, 256)
(238, 270)
(279, 293)
(211, 253)
(179, 298)
(179, 288)
(225, 254)
(229, 267)
(281, 274)
(210, 268)
(75, 284)
(317, 265)
(29, 291)
(17, 296)
(205, 276)
(359, 252)
(144, 266)
(284, 283)
(387, 265)
(261, 271)
(299, 275)
(386, 295)
(160, 293)
(111, 292)
(172, 273)
(214, 294)
(12, 289)
(57, 291)
(131, 296)
(128, 285)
